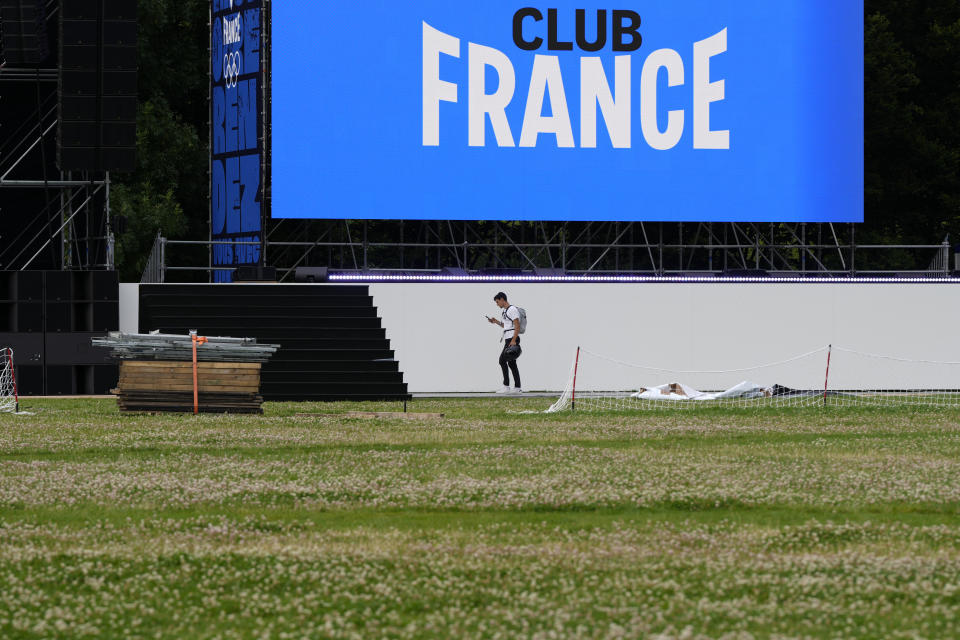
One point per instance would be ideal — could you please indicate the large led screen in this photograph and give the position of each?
(673, 110)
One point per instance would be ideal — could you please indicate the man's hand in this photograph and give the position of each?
(492, 320)
(513, 342)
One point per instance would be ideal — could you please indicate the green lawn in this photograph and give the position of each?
(806, 523)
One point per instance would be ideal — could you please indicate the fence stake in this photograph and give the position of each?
(827, 377)
(573, 395)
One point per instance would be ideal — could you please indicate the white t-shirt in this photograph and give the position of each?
(510, 314)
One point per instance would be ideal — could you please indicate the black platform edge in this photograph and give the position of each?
(333, 347)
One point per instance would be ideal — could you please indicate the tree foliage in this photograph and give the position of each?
(912, 156)
(168, 190)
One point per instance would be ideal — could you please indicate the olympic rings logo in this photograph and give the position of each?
(231, 69)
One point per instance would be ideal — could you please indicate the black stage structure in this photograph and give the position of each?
(68, 93)
(68, 115)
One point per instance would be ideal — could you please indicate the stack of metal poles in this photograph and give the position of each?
(157, 372)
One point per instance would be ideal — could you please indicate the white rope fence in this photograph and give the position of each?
(822, 377)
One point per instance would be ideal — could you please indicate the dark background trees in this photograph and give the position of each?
(912, 66)
(169, 189)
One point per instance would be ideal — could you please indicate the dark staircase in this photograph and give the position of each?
(332, 344)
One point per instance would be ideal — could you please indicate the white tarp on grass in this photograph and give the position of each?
(679, 391)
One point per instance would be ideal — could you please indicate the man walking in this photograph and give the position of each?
(510, 323)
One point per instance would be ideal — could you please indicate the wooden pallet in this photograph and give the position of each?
(157, 385)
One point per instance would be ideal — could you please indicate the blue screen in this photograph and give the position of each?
(661, 110)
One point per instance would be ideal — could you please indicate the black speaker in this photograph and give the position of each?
(29, 317)
(24, 31)
(27, 347)
(28, 285)
(105, 285)
(104, 378)
(58, 317)
(97, 85)
(29, 380)
(106, 316)
(8, 317)
(74, 349)
(59, 381)
(311, 274)
(58, 286)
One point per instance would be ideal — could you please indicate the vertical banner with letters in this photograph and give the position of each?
(236, 134)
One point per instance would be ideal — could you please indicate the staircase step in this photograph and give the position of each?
(296, 355)
(256, 290)
(292, 342)
(294, 337)
(298, 344)
(328, 377)
(308, 367)
(239, 302)
(201, 308)
(338, 397)
(267, 389)
(260, 322)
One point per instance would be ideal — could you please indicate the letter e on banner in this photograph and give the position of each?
(705, 92)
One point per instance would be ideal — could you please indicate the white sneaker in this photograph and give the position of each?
(504, 390)
(517, 391)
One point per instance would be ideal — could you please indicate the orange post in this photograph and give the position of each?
(573, 394)
(196, 391)
(826, 377)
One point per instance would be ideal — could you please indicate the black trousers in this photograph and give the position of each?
(504, 363)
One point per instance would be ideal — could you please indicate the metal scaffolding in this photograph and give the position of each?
(491, 247)
(53, 219)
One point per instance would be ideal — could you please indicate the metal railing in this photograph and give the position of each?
(942, 264)
(941, 261)
(155, 270)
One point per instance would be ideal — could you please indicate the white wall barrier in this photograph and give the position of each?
(444, 344)
(129, 307)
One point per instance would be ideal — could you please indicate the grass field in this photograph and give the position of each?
(489, 523)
